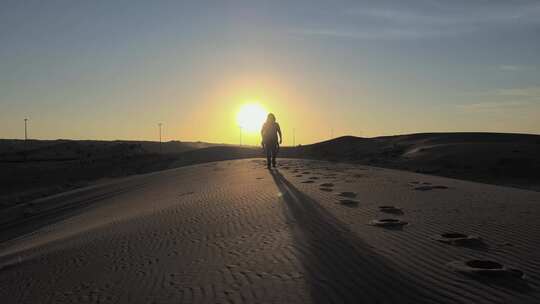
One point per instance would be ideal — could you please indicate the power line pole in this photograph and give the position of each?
(25, 149)
(25, 129)
(160, 148)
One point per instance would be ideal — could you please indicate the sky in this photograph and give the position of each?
(115, 69)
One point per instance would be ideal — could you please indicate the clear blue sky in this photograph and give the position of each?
(113, 69)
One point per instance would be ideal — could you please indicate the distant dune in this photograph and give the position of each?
(498, 158)
(40, 168)
(50, 150)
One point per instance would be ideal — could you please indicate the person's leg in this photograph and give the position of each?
(268, 151)
(274, 153)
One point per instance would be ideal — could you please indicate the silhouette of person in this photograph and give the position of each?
(270, 144)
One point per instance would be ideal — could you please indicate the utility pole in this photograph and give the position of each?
(25, 129)
(160, 148)
(25, 138)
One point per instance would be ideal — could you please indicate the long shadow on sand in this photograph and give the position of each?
(340, 267)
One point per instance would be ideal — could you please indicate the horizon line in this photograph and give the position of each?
(237, 144)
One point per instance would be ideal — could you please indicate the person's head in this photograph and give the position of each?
(271, 117)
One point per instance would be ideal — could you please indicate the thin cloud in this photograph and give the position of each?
(451, 16)
(510, 68)
(421, 20)
(532, 92)
(504, 100)
(375, 34)
(514, 68)
(494, 106)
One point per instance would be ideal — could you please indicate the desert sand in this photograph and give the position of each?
(40, 168)
(308, 232)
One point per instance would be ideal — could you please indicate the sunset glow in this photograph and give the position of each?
(325, 69)
(251, 117)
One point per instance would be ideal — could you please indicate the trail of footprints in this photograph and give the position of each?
(475, 267)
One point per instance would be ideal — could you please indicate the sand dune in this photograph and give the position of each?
(497, 158)
(233, 231)
(56, 166)
(39, 168)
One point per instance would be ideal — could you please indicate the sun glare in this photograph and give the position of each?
(251, 117)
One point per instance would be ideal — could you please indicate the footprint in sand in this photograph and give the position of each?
(390, 209)
(388, 223)
(459, 239)
(327, 187)
(306, 172)
(348, 194)
(427, 188)
(313, 177)
(186, 193)
(486, 268)
(308, 182)
(299, 175)
(349, 203)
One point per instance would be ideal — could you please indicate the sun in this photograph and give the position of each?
(251, 117)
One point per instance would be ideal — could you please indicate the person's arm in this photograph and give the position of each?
(279, 132)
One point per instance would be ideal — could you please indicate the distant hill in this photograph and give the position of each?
(500, 158)
(37, 168)
(61, 149)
